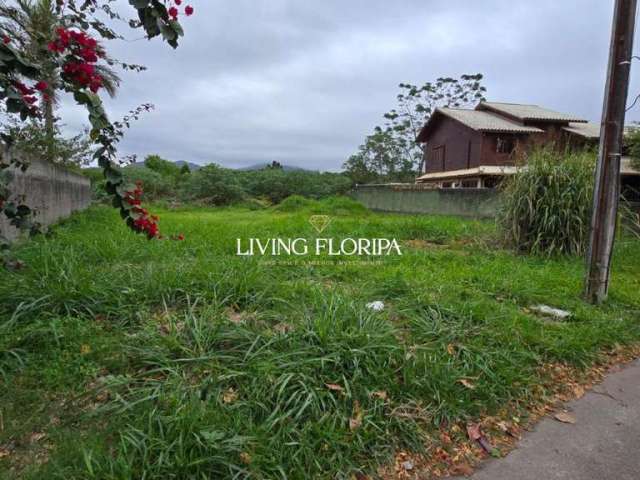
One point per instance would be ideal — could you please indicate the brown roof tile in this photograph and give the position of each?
(529, 112)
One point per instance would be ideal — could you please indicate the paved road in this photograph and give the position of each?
(604, 444)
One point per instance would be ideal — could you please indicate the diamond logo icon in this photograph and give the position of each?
(320, 222)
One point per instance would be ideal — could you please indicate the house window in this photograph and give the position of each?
(505, 145)
(437, 156)
(470, 183)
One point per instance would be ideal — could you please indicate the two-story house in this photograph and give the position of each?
(475, 148)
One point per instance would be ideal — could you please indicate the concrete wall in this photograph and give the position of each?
(411, 198)
(53, 191)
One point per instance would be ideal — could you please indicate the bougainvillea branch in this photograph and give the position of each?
(76, 54)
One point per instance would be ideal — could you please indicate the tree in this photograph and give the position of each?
(275, 165)
(214, 185)
(31, 138)
(382, 157)
(391, 153)
(162, 166)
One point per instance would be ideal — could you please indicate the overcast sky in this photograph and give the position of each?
(303, 82)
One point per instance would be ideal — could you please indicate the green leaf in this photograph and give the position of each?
(167, 32)
(177, 28)
(113, 176)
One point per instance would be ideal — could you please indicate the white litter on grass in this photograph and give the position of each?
(556, 313)
(376, 306)
(408, 465)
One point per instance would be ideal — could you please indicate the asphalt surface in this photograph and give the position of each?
(603, 444)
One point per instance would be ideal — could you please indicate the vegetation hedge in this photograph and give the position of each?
(215, 185)
(547, 205)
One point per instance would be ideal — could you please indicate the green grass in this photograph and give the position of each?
(181, 360)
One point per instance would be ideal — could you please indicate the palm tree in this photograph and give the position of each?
(31, 24)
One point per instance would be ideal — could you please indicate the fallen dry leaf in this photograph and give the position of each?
(229, 395)
(283, 328)
(235, 316)
(445, 438)
(473, 430)
(245, 458)
(565, 417)
(508, 428)
(356, 421)
(467, 383)
(334, 387)
(462, 469)
(475, 434)
(36, 437)
(451, 349)
(381, 394)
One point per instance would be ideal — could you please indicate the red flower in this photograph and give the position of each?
(178, 2)
(181, 237)
(173, 12)
(88, 55)
(41, 86)
(6, 40)
(188, 10)
(23, 89)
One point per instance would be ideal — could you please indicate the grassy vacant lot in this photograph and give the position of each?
(122, 358)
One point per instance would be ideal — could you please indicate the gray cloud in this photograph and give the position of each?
(304, 82)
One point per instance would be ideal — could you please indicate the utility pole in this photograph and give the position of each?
(607, 180)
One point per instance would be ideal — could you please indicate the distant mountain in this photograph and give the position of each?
(192, 166)
(260, 166)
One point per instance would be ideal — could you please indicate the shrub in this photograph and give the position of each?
(213, 185)
(295, 203)
(155, 185)
(547, 205)
(335, 205)
(254, 204)
(632, 143)
(341, 205)
(93, 173)
(277, 184)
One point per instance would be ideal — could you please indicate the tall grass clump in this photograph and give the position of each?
(547, 205)
(295, 203)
